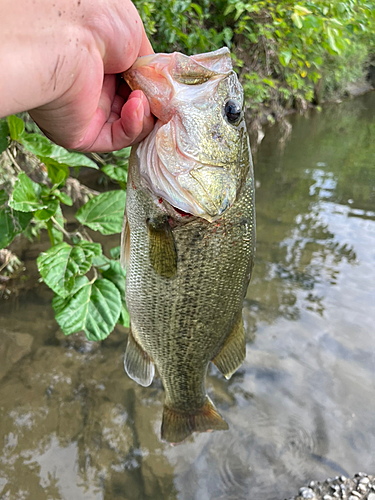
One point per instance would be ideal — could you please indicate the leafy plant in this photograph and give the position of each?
(89, 287)
(281, 49)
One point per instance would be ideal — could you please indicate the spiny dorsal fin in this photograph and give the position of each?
(233, 351)
(137, 363)
(178, 425)
(162, 247)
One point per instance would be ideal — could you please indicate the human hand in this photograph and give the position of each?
(78, 99)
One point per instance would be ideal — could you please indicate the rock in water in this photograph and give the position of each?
(360, 487)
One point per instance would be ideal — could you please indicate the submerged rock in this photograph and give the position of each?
(360, 487)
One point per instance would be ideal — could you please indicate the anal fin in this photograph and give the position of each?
(233, 352)
(177, 425)
(162, 247)
(137, 363)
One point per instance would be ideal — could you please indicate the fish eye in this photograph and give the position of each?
(233, 111)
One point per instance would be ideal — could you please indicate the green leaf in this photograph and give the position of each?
(197, 8)
(90, 251)
(4, 132)
(16, 127)
(95, 308)
(115, 252)
(104, 213)
(60, 265)
(44, 148)
(52, 204)
(12, 222)
(116, 274)
(122, 154)
(118, 173)
(26, 195)
(124, 319)
(331, 41)
(57, 172)
(302, 11)
(285, 57)
(63, 197)
(297, 20)
(56, 233)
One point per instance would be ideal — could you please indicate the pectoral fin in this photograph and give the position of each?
(178, 425)
(137, 363)
(162, 247)
(233, 351)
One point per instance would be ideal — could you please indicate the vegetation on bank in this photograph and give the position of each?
(287, 54)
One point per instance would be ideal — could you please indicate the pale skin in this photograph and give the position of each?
(61, 60)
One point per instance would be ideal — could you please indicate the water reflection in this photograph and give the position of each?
(302, 406)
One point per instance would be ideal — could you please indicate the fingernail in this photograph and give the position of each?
(140, 110)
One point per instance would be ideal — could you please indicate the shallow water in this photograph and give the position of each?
(302, 406)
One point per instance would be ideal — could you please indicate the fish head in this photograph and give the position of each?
(197, 158)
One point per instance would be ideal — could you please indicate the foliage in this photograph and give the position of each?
(282, 49)
(89, 287)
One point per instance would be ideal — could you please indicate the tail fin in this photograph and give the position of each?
(178, 425)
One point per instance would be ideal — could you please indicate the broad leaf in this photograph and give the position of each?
(89, 250)
(12, 222)
(104, 213)
(332, 41)
(4, 132)
(124, 318)
(297, 20)
(57, 172)
(95, 308)
(16, 127)
(43, 148)
(60, 265)
(51, 206)
(285, 58)
(118, 173)
(116, 274)
(57, 234)
(63, 197)
(26, 195)
(115, 252)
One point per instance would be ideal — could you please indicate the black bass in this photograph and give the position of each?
(189, 234)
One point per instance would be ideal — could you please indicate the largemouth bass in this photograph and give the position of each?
(189, 234)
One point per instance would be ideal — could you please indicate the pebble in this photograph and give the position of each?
(371, 496)
(327, 497)
(364, 480)
(306, 493)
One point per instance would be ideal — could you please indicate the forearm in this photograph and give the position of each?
(41, 45)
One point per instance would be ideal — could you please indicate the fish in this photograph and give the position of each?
(188, 240)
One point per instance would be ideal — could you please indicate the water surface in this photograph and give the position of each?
(302, 406)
